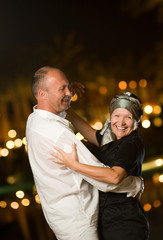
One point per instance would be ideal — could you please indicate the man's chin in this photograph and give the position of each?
(66, 106)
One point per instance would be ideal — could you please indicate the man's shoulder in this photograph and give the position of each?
(46, 127)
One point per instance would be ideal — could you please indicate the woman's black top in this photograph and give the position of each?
(127, 152)
(120, 216)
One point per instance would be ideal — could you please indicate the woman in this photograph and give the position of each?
(119, 216)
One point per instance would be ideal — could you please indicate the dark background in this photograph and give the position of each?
(98, 43)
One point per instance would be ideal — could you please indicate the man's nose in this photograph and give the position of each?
(68, 93)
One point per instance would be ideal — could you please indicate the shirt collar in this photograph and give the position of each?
(49, 115)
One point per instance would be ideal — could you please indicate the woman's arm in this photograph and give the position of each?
(82, 126)
(113, 175)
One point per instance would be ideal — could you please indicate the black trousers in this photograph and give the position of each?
(121, 218)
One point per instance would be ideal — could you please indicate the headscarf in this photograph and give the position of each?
(128, 101)
(125, 100)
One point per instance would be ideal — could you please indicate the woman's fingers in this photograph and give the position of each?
(55, 154)
(56, 160)
(58, 149)
(74, 148)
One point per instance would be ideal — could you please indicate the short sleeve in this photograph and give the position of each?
(126, 156)
(99, 137)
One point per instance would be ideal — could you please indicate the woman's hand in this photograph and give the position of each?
(77, 88)
(66, 159)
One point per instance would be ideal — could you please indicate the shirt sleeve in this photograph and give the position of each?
(130, 185)
(99, 137)
(127, 156)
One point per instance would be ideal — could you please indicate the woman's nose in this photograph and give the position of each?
(122, 121)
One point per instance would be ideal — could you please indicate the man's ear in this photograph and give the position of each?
(42, 94)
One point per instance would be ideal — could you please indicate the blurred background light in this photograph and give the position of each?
(79, 136)
(4, 152)
(14, 205)
(3, 204)
(143, 83)
(148, 109)
(19, 194)
(37, 199)
(146, 123)
(157, 122)
(103, 90)
(97, 125)
(157, 109)
(132, 84)
(159, 162)
(155, 178)
(147, 207)
(122, 85)
(25, 202)
(161, 178)
(10, 144)
(157, 203)
(24, 141)
(11, 179)
(12, 133)
(74, 98)
(18, 142)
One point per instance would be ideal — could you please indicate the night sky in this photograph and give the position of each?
(102, 27)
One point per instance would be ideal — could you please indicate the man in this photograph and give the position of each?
(69, 200)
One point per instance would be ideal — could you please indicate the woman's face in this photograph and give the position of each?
(122, 122)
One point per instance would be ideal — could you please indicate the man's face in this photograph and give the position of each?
(58, 93)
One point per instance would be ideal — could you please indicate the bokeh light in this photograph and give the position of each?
(18, 142)
(3, 204)
(4, 152)
(74, 98)
(24, 141)
(157, 109)
(97, 125)
(37, 199)
(10, 144)
(147, 207)
(132, 84)
(11, 179)
(14, 205)
(25, 202)
(159, 162)
(161, 178)
(146, 123)
(103, 90)
(157, 203)
(122, 85)
(79, 136)
(148, 109)
(157, 122)
(19, 194)
(12, 133)
(143, 83)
